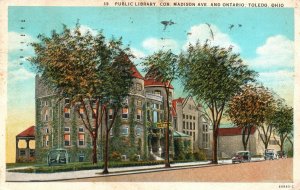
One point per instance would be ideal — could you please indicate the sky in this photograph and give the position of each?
(264, 37)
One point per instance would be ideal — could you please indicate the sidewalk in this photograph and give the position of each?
(35, 177)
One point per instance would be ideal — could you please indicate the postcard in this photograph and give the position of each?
(194, 94)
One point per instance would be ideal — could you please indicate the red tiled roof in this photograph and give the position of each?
(152, 82)
(29, 132)
(233, 131)
(136, 73)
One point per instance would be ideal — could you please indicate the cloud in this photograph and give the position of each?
(16, 41)
(137, 53)
(84, 29)
(202, 33)
(276, 53)
(17, 72)
(154, 44)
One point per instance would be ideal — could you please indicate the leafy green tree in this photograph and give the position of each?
(213, 75)
(95, 74)
(249, 108)
(283, 123)
(163, 66)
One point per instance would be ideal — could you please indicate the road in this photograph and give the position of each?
(264, 171)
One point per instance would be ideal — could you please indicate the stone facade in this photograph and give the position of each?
(189, 120)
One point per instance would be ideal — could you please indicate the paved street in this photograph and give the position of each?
(279, 171)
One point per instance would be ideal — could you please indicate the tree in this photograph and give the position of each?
(248, 109)
(163, 66)
(283, 123)
(213, 75)
(93, 73)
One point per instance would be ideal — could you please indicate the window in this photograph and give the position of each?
(46, 130)
(111, 132)
(46, 103)
(139, 103)
(124, 130)
(47, 140)
(81, 129)
(67, 112)
(183, 125)
(194, 125)
(138, 131)
(67, 101)
(125, 113)
(194, 136)
(110, 114)
(67, 139)
(94, 113)
(22, 152)
(205, 140)
(139, 114)
(81, 139)
(46, 116)
(155, 116)
(157, 92)
(138, 86)
(190, 117)
(67, 129)
(183, 116)
(194, 118)
(155, 106)
(81, 111)
(32, 152)
(191, 126)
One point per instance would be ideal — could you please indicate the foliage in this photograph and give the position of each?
(283, 123)
(249, 108)
(115, 156)
(163, 66)
(200, 156)
(213, 75)
(95, 74)
(179, 149)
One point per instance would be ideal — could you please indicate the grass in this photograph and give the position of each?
(77, 166)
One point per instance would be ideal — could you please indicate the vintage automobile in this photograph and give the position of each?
(241, 156)
(58, 156)
(270, 154)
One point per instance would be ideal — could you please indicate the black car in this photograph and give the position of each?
(241, 156)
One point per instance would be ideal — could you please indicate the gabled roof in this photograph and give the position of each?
(233, 131)
(136, 73)
(29, 132)
(153, 82)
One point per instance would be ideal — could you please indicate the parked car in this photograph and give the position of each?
(58, 156)
(270, 154)
(281, 154)
(241, 156)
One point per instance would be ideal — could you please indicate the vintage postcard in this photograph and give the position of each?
(193, 94)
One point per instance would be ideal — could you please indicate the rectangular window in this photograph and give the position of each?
(47, 140)
(183, 125)
(139, 103)
(81, 139)
(155, 116)
(194, 118)
(67, 112)
(194, 136)
(125, 113)
(191, 127)
(22, 152)
(139, 114)
(138, 131)
(190, 117)
(111, 132)
(46, 116)
(124, 130)
(183, 116)
(46, 103)
(67, 100)
(81, 129)
(67, 129)
(46, 130)
(138, 86)
(194, 125)
(67, 139)
(81, 111)
(110, 114)
(157, 92)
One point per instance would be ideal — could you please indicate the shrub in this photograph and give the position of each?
(189, 156)
(200, 156)
(115, 156)
(134, 158)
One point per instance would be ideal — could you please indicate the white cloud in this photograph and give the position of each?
(202, 33)
(17, 72)
(84, 29)
(137, 53)
(276, 53)
(16, 41)
(154, 44)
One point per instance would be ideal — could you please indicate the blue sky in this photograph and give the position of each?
(265, 40)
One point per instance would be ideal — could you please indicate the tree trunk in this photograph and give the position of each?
(167, 163)
(215, 145)
(94, 156)
(105, 169)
